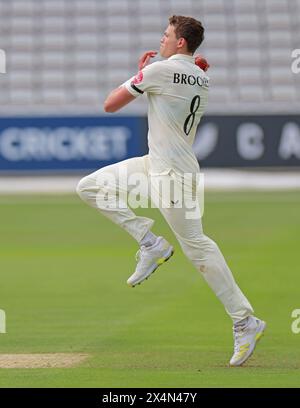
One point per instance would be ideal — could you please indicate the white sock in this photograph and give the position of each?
(243, 323)
(149, 239)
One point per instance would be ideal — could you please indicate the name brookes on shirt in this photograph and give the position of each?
(185, 79)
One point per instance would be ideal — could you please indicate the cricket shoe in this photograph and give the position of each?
(245, 339)
(150, 258)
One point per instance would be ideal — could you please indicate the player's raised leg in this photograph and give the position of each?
(108, 191)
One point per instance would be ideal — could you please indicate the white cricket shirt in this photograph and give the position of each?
(177, 91)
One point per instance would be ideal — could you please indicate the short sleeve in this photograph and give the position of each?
(149, 79)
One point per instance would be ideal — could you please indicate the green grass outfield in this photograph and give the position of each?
(63, 287)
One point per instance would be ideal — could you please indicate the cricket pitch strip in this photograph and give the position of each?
(49, 360)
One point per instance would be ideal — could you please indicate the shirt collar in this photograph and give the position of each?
(185, 57)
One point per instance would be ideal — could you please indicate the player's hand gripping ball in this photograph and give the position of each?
(145, 59)
(201, 62)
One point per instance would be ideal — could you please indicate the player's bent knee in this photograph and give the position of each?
(82, 188)
(79, 188)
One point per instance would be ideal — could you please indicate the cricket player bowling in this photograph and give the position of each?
(177, 91)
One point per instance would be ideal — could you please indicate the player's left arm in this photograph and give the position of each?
(118, 98)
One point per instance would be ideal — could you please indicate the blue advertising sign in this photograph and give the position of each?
(69, 143)
(248, 141)
(65, 144)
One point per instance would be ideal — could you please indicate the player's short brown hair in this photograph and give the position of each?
(190, 29)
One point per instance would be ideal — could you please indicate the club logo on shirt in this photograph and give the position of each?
(138, 78)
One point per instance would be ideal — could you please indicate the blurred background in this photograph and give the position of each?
(64, 56)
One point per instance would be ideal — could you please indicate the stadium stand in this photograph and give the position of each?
(65, 56)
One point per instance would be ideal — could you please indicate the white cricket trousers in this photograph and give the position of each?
(100, 190)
